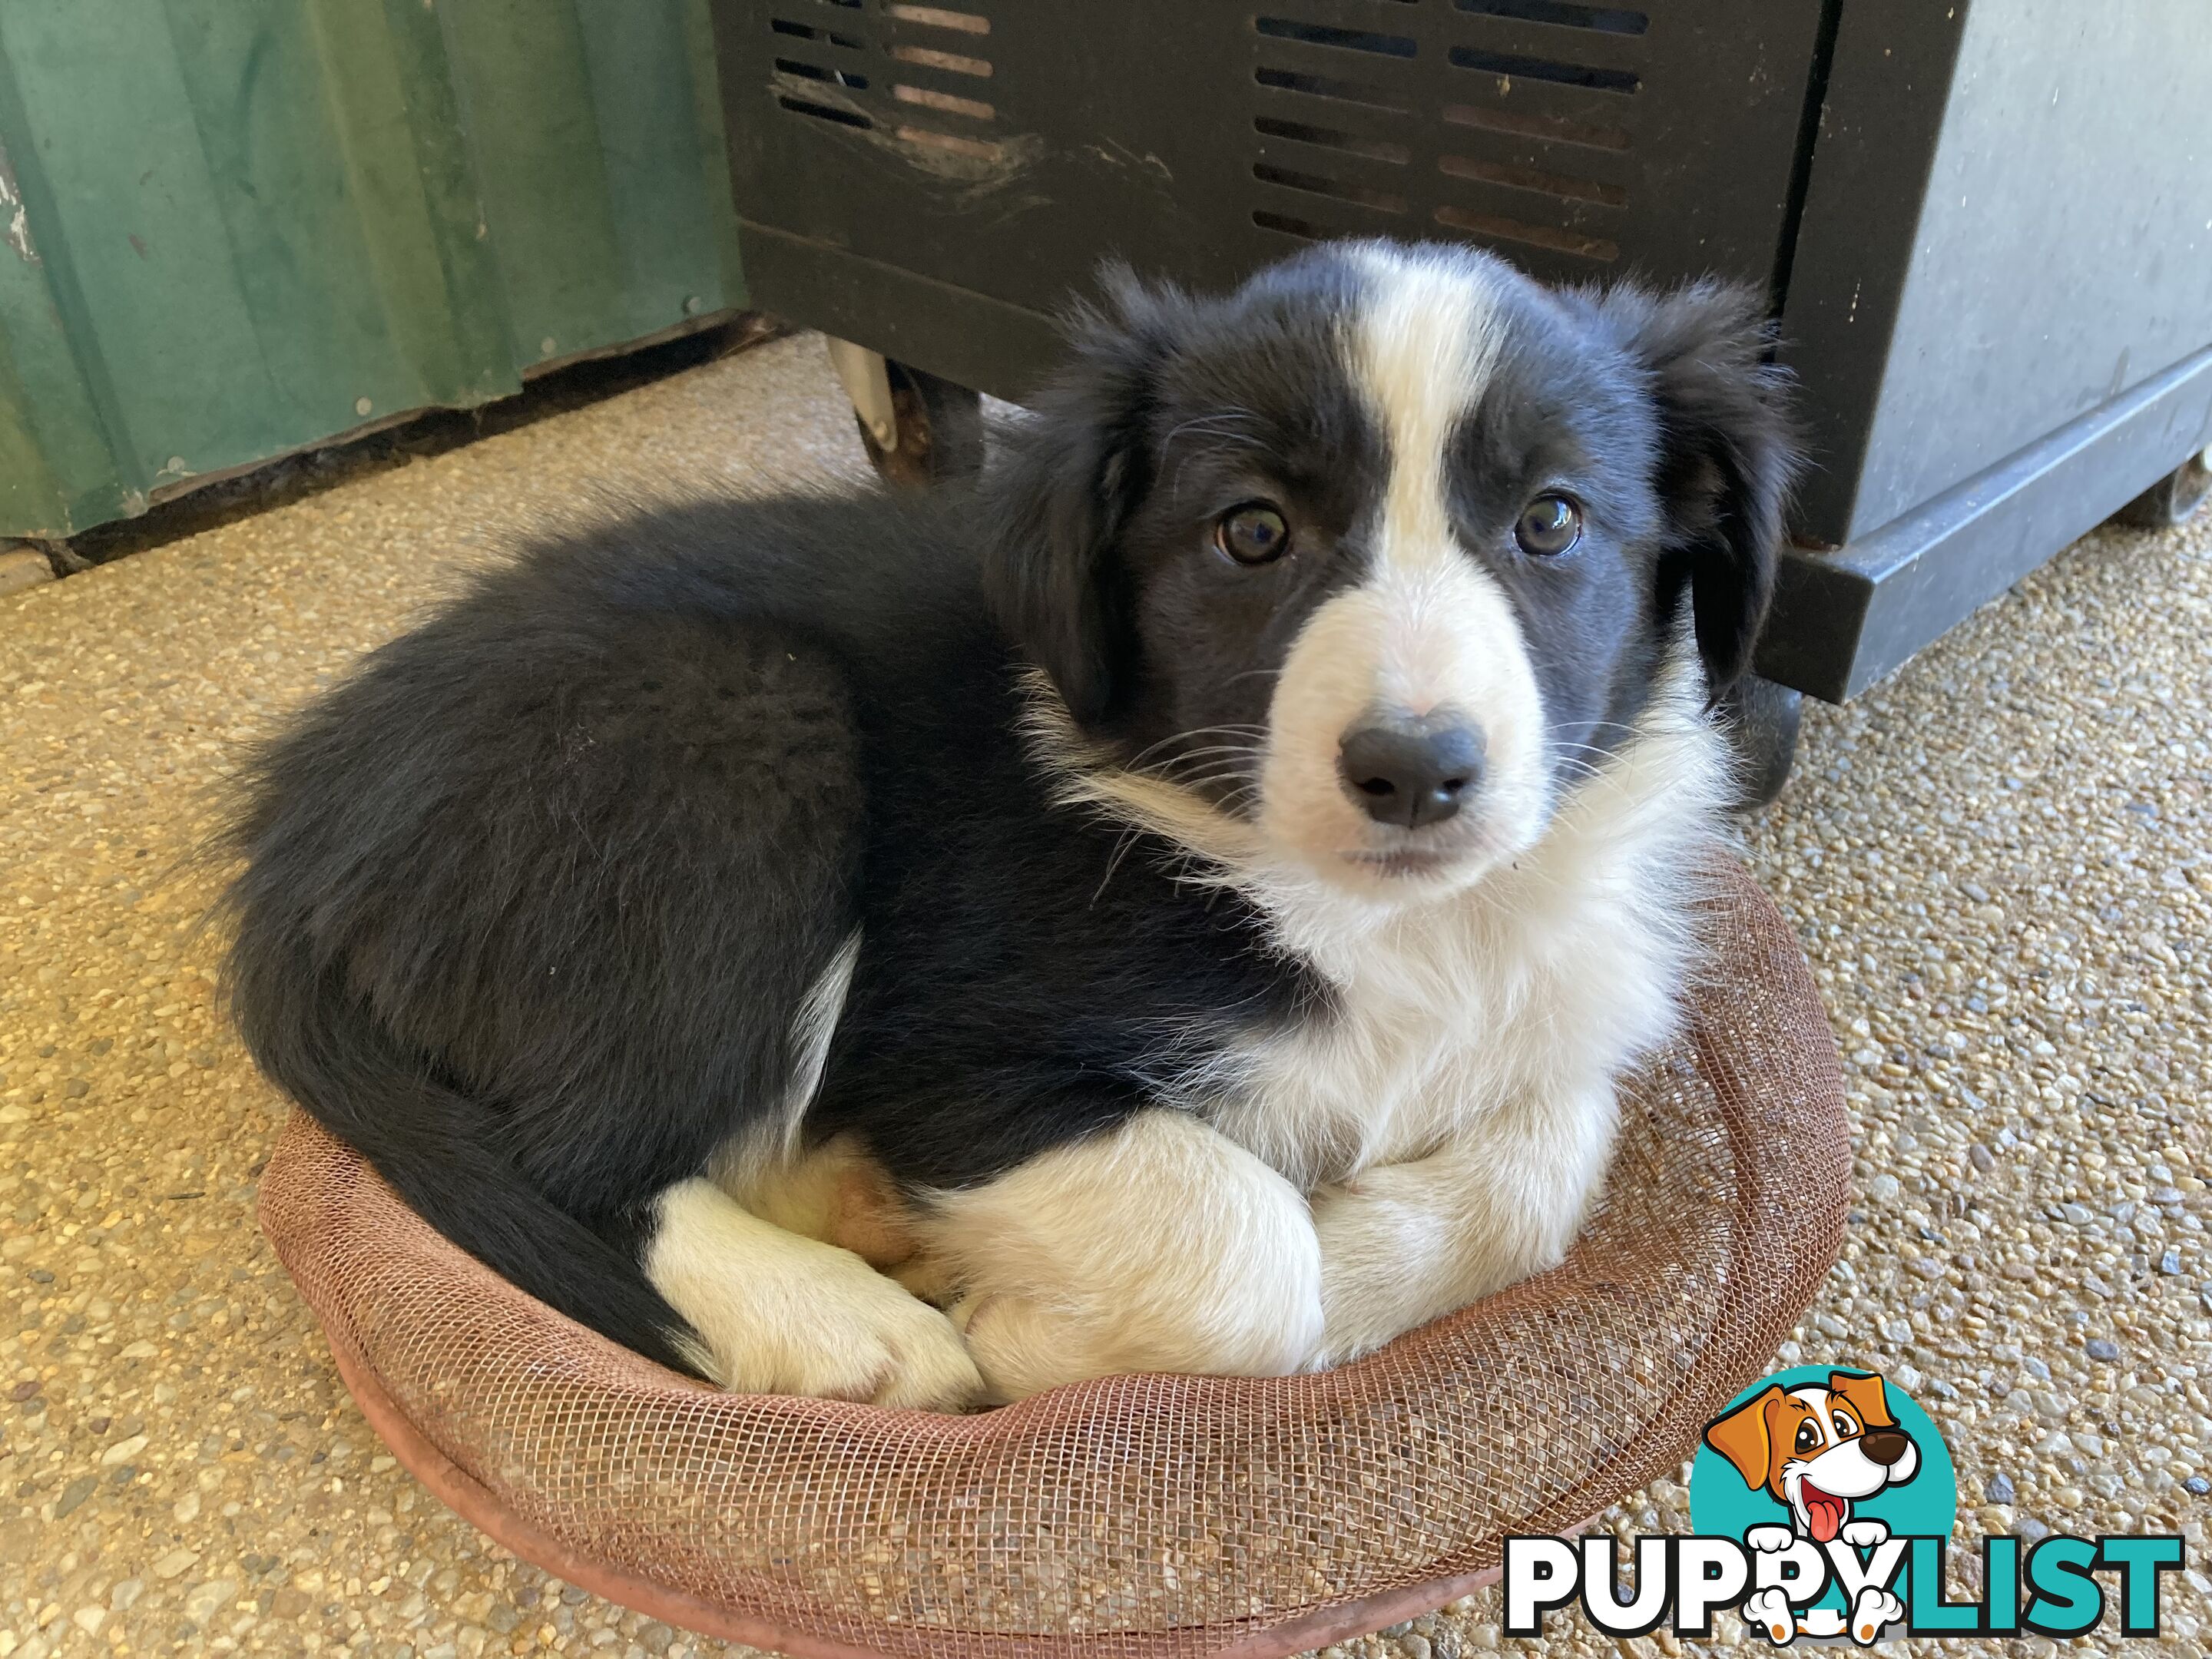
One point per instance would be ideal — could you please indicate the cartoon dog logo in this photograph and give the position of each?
(1817, 1451)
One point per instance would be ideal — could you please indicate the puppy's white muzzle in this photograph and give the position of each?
(1406, 736)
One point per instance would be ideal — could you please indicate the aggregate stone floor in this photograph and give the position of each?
(2001, 864)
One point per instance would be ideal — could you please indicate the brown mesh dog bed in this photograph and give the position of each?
(1138, 1516)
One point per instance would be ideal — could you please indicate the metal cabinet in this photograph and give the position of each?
(1985, 225)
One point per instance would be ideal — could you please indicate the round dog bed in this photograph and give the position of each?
(1138, 1516)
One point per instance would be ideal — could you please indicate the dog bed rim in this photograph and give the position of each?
(637, 1581)
(468, 1498)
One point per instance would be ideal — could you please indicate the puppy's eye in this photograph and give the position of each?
(1549, 526)
(1254, 533)
(1808, 1437)
(1844, 1426)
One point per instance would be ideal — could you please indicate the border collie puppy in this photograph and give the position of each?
(1184, 907)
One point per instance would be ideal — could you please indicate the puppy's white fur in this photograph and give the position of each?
(1427, 630)
(1324, 1187)
(1159, 1246)
(741, 1255)
(1453, 1119)
(781, 1314)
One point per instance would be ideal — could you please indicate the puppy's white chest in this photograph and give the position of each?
(1371, 1085)
(1440, 1020)
(1410, 1051)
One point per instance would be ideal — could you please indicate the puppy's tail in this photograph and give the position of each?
(431, 1141)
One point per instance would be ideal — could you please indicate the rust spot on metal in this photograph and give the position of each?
(975, 149)
(981, 165)
(1535, 178)
(939, 17)
(955, 63)
(974, 108)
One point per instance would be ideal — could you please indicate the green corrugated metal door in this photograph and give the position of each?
(232, 227)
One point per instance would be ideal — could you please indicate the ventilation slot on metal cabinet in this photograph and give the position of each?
(1325, 86)
(974, 108)
(1513, 65)
(808, 32)
(1314, 183)
(1321, 34)
(815, 72)
(1352, 143)
(1304, 230)
(938, 17)
(1535, 153)
(1533, 179)
(1498, 226)
(1321, 140)
(1608, 20)
(844, 118)
(1549, 51)
(929, 64)
(953, 63)
(820, 84)
(1552, 129)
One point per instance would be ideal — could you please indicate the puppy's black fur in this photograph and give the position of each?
(532, 899)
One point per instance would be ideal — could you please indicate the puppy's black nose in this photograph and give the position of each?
(1410, 775)
(1884, 1446)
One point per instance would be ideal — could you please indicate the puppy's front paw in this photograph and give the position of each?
(1770, 1611)
(779, 1313)
(1865, 1534)
(1769, 1540)
(1404, 1243)
(857, 1335)
(1874, 1610)
(1023, 1345)
(1373, 1250)
(1020, 1348)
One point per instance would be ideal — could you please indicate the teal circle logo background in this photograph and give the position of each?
(1925, 1506)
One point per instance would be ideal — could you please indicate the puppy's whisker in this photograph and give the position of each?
(1212, 773)
(1202, 784)
(1586, 748)
(1190, 755)
(1121, 845)
(1234, 421)
(1138, 759)
(1211, 760)
(1228, 429)
(1254, 673)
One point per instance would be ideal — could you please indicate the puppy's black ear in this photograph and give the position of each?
(1729, 454)
(1061, 491)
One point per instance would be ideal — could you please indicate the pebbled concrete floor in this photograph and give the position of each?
(2001, 864)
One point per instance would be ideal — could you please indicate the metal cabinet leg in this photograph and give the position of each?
(1761, 721)
(2173, 499)
(917, 428)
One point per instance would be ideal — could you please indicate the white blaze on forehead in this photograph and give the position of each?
(1427, 627)
(1423, 348)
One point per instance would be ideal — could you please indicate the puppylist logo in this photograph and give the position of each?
(1821, 1505)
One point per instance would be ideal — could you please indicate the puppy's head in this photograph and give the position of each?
(1817, 1449)
(1375, 558)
